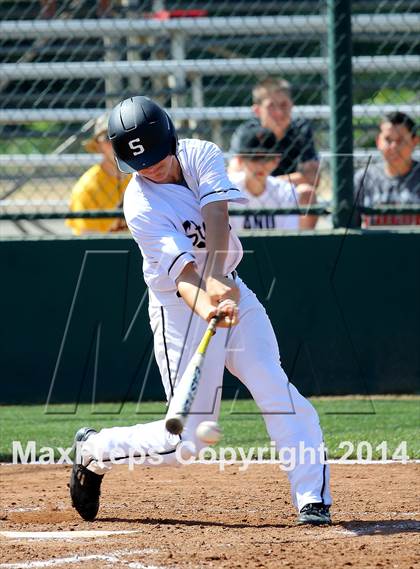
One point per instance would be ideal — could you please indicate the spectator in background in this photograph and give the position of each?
(255, 149)
(396, 180)
(101, 187)
(272, 105)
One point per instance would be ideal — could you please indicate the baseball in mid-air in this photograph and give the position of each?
(209, 432)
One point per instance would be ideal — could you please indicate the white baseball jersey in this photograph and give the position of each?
(277, 193)
(166, 220)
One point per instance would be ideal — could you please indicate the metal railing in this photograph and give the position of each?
(58, 74)
(232, 26)
(202, 67)
(307, 210)
(313, 112)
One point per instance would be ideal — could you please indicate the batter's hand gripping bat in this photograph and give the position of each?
(180, 404)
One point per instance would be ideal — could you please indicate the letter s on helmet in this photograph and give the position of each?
(141, 134)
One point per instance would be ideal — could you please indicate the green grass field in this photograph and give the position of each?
(394, 420)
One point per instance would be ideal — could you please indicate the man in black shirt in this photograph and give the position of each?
(298, 163)
(272, 105)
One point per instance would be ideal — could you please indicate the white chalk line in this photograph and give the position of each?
(383, 527)
(385, 513)
(368, 528)
(115, 557)
(29, 509)
(77, 534)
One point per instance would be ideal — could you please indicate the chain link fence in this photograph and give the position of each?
(63, 63)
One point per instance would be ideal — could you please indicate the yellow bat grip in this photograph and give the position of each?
(211, 330)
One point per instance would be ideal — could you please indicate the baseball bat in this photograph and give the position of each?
(180, 404)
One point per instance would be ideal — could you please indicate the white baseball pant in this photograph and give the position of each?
(250, 352)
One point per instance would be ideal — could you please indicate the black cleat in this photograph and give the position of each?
(316, 514)
(85, 486)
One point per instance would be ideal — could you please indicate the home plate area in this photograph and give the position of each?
(198, 516)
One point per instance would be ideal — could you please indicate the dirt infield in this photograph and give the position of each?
(198, 517)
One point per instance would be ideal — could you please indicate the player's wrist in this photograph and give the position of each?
(227, 310)
(207, 311)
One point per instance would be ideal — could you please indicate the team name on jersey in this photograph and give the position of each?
(195, 232)
(259, 221)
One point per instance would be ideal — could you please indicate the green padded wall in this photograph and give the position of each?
(345, 307)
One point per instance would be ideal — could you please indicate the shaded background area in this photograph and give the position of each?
(345, 308)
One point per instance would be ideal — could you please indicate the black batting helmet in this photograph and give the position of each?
(141, 133)
(253, 141)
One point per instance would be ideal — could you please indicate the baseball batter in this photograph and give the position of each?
(176, 207)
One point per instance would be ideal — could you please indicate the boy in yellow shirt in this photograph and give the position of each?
(99, 188)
